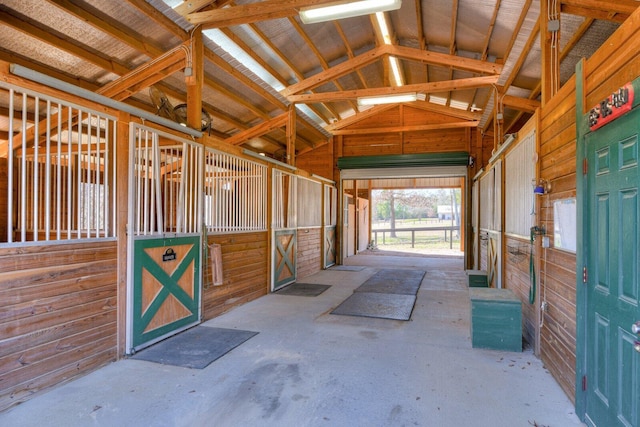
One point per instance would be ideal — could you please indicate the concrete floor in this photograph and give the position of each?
(307, 367)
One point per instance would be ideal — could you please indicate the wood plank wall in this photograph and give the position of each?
(58, 315)
(309, 251)
(613, 65)
(318, 161)
(557, 275)
(245, 272)
(516, 278)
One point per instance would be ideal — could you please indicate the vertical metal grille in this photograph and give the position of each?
(60, 170)
(165, 183)
(235, 192)
(520, 173)
(330, 205)
(284, 203)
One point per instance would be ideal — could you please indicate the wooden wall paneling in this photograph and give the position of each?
(59, 315)
(436, 141)
(309, 251)
(318, 161)
(558, 166)
(245, 272)
(371, 145)
(517, 279)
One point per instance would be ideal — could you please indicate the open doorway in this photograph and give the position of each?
(417, 215)
(422, 221)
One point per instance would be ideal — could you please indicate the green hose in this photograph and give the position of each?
(532, 270)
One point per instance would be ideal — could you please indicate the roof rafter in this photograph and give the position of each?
(259, 130)
(323, 62)
(249, 13)
(408, 128)
(436, 58)
(432, 87)
(370, 56)
(624, 7)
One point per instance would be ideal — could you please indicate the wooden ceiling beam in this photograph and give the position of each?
(445, 110)
(259, 130)
(334, 72)
(323, 62)
(522, 104)
(373, 111)
(623, 7)
(146, 75)
(192, 6)
(286, 61)
(250, 13)
(157, 16)
(104, 23)
(436, 58)
(54, 38)
(594, 14)
(242, 78)
(451, 85)
(405, 128)
(349, 50)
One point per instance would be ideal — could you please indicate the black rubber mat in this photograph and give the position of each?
(347, 268)
(303, 289)
(195, 348)
(393, 281)
(378, 305)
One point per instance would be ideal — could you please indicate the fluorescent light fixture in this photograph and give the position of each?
(387, 99)
(341, 10)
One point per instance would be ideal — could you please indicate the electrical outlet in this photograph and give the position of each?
(545, 241)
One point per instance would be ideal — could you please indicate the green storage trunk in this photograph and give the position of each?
(477, 279)
(496, 319)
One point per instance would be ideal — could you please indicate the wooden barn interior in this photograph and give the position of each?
(235, 139)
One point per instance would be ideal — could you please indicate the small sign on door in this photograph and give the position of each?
(169, 255)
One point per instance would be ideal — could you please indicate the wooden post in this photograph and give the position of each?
(122, 217)
(291, 136)
(195, 80)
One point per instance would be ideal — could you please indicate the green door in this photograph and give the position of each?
(611, 255)
(285, 257)
(166, 297)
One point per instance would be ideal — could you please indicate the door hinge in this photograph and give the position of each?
(584, 274)
(584, 383)
(585, 166)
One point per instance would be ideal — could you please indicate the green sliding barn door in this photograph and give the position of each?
(613, 261)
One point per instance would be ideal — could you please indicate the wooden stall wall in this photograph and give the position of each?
(309, 251)
(58, 315)
(516, 278)
(319, 161)
(557, 268)
(245, 259)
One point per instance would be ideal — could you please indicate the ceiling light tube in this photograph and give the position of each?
(341, 10)
(387, 99)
